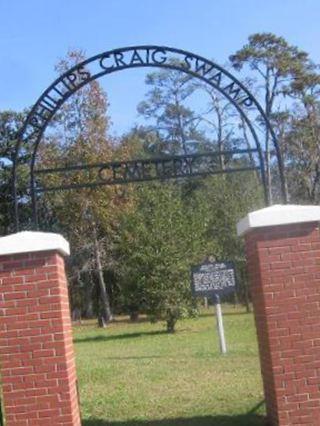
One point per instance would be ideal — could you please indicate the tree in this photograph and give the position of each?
(10, 123)
(275, 63)
(175, 124)
(158, 242)
(216, 206)
(301, 139)
(173, 227)
(181, 126)
(79, 134)
(217, 117)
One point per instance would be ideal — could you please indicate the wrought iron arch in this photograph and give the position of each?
(136, 57)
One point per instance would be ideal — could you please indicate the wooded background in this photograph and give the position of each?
(132, 246)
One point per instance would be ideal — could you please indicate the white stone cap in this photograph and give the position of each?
(278, 215)
(30, 241)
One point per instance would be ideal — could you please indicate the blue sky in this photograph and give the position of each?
(34, 34)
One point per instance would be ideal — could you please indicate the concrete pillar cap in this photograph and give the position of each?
(278, 215)
(31, 241)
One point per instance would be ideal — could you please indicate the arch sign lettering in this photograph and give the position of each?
(156, 168)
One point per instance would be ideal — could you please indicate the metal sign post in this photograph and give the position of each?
(213, 279)
(220, 328)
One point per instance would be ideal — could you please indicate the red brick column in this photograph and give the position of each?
(284, 271)
(36, 350)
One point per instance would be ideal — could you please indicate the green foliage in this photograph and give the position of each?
(138, 243)
(266, 51)
(10, 123)
(88, 218)
(158, 242)
(276, 65)
(172, 227)
(301, 146)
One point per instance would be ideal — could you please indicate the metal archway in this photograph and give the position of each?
(136, 57)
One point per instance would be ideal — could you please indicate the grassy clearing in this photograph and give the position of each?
(137, 375)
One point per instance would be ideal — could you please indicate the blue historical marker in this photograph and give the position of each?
(214, 279)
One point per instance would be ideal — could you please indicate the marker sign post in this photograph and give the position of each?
(214, 280)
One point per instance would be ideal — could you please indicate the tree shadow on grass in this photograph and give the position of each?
(144, 319)
(107, 338)
(126, 320)
(211, 313)
(241, 420)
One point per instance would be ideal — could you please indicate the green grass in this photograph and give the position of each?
(137, 375)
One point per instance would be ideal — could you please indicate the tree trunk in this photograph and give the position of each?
(205, 299)
(251, 158)
(220, 138)
(268, 171)
(134, 316)
(106, 314)
(88, 309)
(88, 302)
(171, 322)
(101, 321)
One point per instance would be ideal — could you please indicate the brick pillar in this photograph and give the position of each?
(283, 256)
(36, 350)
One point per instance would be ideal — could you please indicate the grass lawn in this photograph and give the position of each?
(137, 375)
